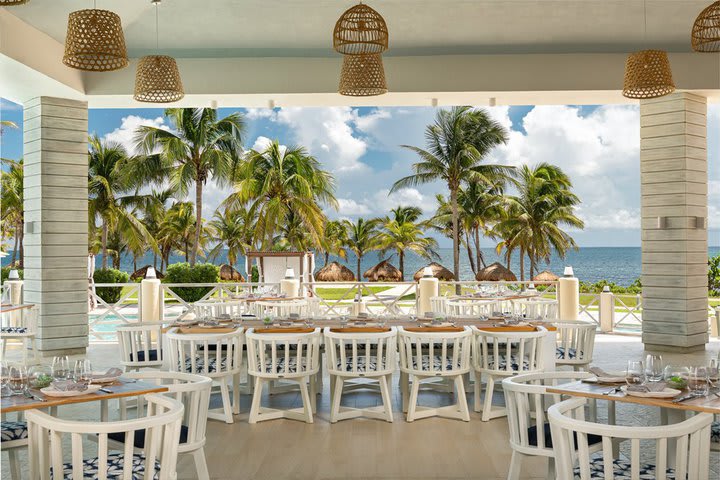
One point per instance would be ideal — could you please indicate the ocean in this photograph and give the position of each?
(621, 265)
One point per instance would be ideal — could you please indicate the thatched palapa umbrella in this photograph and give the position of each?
(495, 273)
(438, 271)
(141, 272)
(334, 272)
(383, 272)
(228, 272)
(546, 276)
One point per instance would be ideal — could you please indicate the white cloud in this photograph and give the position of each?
(261, 143)
(349, 207)
(256, 113)
(384, 201)
(125, 133)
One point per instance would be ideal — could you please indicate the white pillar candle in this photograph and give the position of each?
(152, 300)
(290, 287)
(428, 288)
(569, 295)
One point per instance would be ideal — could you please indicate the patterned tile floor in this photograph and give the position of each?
(361, 448)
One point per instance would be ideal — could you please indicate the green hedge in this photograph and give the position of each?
(184, 273)
(5, 271)
(110, 275)
(714, 276)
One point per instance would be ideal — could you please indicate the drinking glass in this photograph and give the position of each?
(698, 380)
(60, 367)
(635, 372)
(343, 321)
(382, 320)
(4, 380)
(653, 368)
(18, 379)
(714, 372)
(82, 373)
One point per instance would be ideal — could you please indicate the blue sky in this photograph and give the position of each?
(598, 146)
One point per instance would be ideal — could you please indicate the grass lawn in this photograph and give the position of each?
(337, 293)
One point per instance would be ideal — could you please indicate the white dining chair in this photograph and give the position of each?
(282, 308)
(536, 308)
(470, 308)
(501, 354)
(214, 355)
(360, 355)
(293, 357)
(20, 326)
(193, 391)
(54, 441)
(575, 344)
(527, 401)
(434, 355)
(14, 437)
(438, 305)
(574, 459)
(220, 309)
(141, 345)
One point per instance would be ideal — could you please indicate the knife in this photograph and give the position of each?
(686, 397)
(34, 397)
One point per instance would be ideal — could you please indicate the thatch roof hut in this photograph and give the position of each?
(545, 276)
(439, 272)
(495, 273)
(228, 273)
(141, 272)
(383, 272)
(334, 272)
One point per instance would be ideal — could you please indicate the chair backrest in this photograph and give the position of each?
(23, 319)
(575, 342)
(438, 304)
(470, 308)
(508, 352)
(283, 355)
(350, 353)
(141, 344)
(53, 441)
(219, 309)
(193, 391)
(282, 308)
(210, 354)
(569, 428)
(434, 353)
(527, 400)
(539, 308)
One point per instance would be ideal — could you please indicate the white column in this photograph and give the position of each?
(152, 300)
(673, 163)
(56, 221)
(568, 298)
(607, 311)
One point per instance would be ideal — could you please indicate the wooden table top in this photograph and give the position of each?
(709, 404)
(492, 298)
(4, 308)
(267, 299)
(121, 388)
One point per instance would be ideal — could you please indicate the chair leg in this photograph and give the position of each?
(236, 395)
(307, 405)
(477, 391)
(412, 402)
(387, 402)
(515, 466)
(551, 469)
(462, 398)
(225, 394)
(14, 464)
(201, 464)
(487, 403)
(336, 397)
(404, 394)
(257, 395)
(313, 393)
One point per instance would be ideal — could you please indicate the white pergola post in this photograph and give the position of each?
(673, 158)
(56, 221)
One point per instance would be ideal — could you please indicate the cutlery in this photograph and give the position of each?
(686, 397)
(611, 391)
(34, 397)
(105, 390)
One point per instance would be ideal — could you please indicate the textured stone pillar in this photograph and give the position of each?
(56, 221)
(673, 159)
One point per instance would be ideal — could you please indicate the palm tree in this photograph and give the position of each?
(544, 204)
(403, 235)
(361, 238)
(334, 240)
(177, 231)
(200, 147)
(457, 143)
(111, 192)
(284, 185)
(234, 230)
(11, 197)
(480, 206)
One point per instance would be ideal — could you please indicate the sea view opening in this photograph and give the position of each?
(402, 240)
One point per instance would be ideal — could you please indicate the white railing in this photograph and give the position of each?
(395, 298)
(103, 317)
(630, 316)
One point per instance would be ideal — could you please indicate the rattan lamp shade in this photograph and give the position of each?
(360, 30)
(648, 75)
(362, 76)
(95, 41)
(10, 3)
(705, 35)
(157, 80)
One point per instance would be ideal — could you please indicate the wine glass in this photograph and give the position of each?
(18, 377)
(4, 380)
(60, 367)
(653, 368)
(82, 373)
(698, 380)
(635, 372)
(343, 321)
(713, 372)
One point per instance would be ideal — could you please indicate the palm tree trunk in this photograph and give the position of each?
(456, 239)
(478, 253)
(187, 252)
(15, 246)
(522, 264)
(327, 257)
(21, 247)
(469, 253)
(359, 257)
(402, 264)
(103, 240)
(198, 221)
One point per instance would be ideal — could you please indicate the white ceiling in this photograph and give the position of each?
(302, 28)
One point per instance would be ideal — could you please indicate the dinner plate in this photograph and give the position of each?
(51, 392)
(666, 393)
(610, 379)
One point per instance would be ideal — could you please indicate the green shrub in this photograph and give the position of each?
(254, 274)
(110, 275)
(5, 271)
(714, 276)
(184, 273)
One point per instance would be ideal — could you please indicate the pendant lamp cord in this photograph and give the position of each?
(645, 22)
(157, 27)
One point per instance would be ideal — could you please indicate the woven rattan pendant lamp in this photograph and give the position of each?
(157, 79)
(361, 35)
(95, 41)
(705, 35)
(10, 3)
(647, 72)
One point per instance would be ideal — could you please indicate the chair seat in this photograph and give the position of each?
(139, 440)
(13, 329)
(513, 363)
(152, 356)
(437, 363)
(200, 364)
(12, 431)
(621, 470)
(280, 367)
(715, 432)
(114, 468)
(533, 438)
(572, 353)
(361, 361)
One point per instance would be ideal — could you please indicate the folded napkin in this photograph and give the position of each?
(68, 386)
(604, 376)
(111, 372)
(647, 387)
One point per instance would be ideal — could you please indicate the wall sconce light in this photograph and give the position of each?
(661, 223)
(700, 223)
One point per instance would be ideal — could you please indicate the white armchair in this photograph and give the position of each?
(575, 344)
(141, 345)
